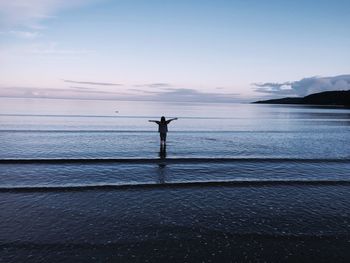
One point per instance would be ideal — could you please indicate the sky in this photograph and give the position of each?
(183, 50)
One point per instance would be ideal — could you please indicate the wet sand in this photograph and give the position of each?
(284, 223)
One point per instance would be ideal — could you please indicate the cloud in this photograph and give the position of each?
(185, 95)
(144, 91)
(59, 93)
(30, 13)
(101, 92)
(52, 49)
(154, 85)
(24, 34)
(193, 95)
(305, 86)
(80, 88)
(92, 83)
(273, 84)
(27, 92)
(168, 94)
(60, 52)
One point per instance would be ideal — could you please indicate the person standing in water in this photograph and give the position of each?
(163, 128)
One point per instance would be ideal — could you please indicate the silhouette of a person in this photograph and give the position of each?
(163, 128)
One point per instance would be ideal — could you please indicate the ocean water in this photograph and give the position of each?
(86, 180)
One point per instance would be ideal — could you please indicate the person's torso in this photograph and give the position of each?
(163, 127)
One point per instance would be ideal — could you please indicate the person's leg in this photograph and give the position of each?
(161, 138)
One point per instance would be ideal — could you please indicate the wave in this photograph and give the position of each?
(237, 236)
(169, 160)
(88, 131)
(191, 184)
(149, 131)
(114, 116)
(190, 237)
(312, 117)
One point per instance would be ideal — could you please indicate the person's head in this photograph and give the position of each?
(162, 119)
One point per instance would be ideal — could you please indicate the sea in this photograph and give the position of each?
(87, 181)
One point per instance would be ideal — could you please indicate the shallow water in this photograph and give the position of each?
(80, 182)
(92, 129)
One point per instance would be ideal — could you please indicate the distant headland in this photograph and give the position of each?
(337, 98)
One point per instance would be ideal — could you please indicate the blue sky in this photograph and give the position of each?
(195, 50)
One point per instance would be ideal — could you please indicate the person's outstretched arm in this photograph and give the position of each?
(168, 121)
(154, 121)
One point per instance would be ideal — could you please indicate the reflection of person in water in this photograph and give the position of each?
(163, 128)
(162, 151)
(162, 171)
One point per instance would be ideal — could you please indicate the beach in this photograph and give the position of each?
(278, 222)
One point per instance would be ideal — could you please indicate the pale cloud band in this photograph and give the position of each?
(305, 86)
(24, 34)
(74, 92)
(29, 13)
(92, 83)
(154, 85)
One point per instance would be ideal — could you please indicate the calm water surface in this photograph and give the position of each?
(274, 183)
(101, 129)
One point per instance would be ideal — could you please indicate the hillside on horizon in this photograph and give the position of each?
(337, 98)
